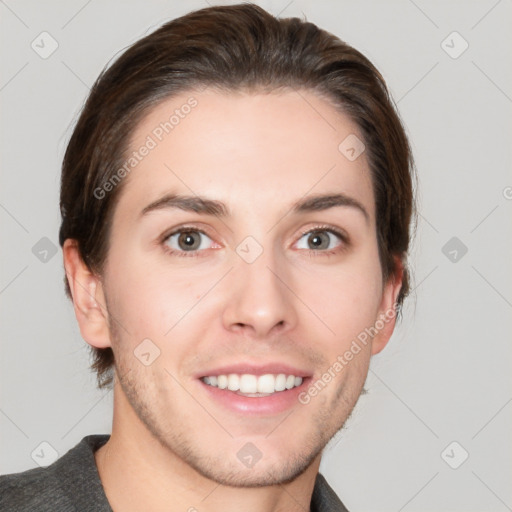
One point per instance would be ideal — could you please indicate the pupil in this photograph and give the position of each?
(188, 240)
(316, 240)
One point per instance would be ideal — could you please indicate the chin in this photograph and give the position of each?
(232, 473)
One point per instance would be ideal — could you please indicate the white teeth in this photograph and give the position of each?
(222, 381)
(233, 382)
(250, 384)
(290, 381)
(281, 382)
(266, 383)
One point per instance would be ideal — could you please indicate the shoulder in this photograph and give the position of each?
(57, 487)
(324, 498)
(31, 490)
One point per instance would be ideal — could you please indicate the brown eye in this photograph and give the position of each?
(187, 241)
(320, 240)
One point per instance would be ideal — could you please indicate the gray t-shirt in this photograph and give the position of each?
(72, 484)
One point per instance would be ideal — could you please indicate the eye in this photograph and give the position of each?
(191, 241)
(321, 239)
(187, 241)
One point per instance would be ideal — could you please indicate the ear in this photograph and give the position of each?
(386, 317)
(88, 297)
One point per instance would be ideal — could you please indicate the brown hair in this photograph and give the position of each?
(239, 47)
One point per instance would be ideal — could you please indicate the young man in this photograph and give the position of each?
(236, 200)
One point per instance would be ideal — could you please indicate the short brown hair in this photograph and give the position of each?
(239, 47)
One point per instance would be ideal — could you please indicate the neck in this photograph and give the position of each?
(139, 473)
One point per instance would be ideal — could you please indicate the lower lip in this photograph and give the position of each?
(261, 405)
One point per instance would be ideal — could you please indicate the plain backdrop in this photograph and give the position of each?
(434, 430)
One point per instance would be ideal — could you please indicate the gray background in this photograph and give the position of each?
(444, 377)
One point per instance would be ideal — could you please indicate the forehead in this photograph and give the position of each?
(247, 149)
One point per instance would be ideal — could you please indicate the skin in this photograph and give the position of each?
(171, 446)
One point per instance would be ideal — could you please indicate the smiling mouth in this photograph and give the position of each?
(253, 385)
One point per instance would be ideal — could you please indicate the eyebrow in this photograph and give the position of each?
(199, 204)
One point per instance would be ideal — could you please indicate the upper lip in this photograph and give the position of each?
(255, 369)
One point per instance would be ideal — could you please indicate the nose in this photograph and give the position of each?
(260, 301)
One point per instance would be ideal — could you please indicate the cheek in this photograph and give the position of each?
(148, 300)
(349, 300)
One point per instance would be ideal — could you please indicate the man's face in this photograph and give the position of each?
(265, 289)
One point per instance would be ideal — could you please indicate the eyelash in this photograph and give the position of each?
(190, 229)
